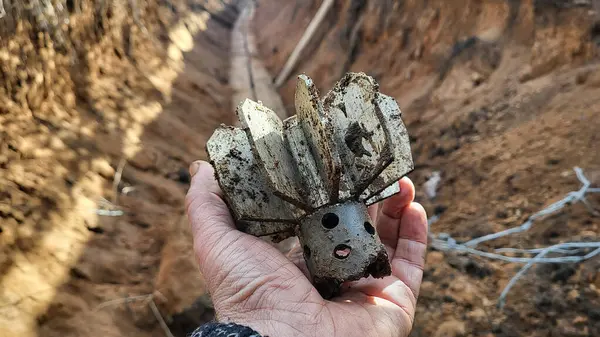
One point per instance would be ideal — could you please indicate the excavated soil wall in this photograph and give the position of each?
(103, 105)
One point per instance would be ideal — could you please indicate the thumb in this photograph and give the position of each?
(225, 255)
(213, 228)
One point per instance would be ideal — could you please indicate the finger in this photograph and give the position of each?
(296, 255)
(388, 288)
(409, 259)
(205, 208)
(208, 214)
(383, 316)
(228, 258)
(373, 211)
(390, 212)
(402, 288)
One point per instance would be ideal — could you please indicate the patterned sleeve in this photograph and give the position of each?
(224, 330)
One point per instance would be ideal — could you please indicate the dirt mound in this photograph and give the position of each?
(502, 99)
(102, 107)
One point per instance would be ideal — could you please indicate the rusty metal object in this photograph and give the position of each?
(314, 174)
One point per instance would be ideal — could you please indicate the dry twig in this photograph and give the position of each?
(117, 180)
(147, 299)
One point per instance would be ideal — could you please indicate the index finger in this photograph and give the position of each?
(391, 210)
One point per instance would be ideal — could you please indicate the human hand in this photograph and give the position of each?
(252, 283)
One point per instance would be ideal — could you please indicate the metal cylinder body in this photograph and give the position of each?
(340, 244)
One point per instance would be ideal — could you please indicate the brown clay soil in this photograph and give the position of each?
(501, 97)
(143, 94)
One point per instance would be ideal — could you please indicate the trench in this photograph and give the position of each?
(92, 228)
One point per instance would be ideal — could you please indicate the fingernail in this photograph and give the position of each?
(194, 168)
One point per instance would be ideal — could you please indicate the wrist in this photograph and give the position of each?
(216, 329)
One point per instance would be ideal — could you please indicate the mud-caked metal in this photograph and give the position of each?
(314, 174)
(340, 244)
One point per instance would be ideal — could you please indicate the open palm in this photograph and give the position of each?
(254, 284)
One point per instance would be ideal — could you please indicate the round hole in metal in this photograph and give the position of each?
(342, 251)
(330, 220)
(307, 252)
(369, 228)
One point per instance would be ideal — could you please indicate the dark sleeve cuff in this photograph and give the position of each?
(224, 330)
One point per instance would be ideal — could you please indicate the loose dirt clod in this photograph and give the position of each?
(314, 174)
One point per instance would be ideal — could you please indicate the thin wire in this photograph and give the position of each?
(571, 197)
(514, 279)
(149, 299)
(445, 242)
(537, 250)
(123, 300)
(160, 319)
